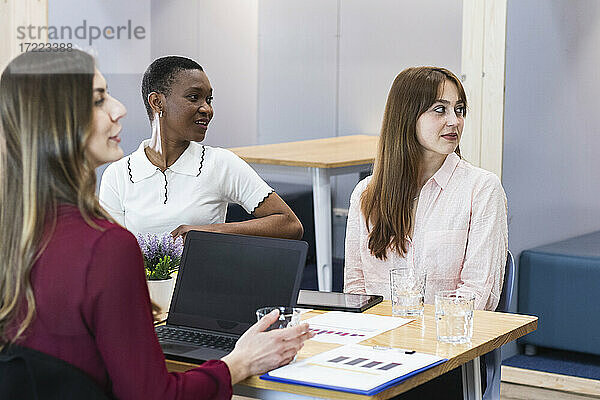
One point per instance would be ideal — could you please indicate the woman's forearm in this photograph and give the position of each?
(274, 225)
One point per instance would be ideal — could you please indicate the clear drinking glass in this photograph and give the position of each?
(454, 316)
(288, 316)
(407, 287)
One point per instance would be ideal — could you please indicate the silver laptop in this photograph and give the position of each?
(222, 280)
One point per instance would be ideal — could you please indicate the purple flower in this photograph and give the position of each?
(162, 254)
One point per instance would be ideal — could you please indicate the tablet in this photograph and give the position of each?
(332, 301)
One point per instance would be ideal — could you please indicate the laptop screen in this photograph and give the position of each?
(224, 279)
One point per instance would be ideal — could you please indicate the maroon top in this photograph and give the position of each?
(93, 311)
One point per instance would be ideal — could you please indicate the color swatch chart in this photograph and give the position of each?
(347, 328)
(363, 363)
(319, 331)
(356, 367)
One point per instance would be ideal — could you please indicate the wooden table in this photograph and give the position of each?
(322, 159)
(490, 330)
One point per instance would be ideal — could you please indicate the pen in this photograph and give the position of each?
(393, 348)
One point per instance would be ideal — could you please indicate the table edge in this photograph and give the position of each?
(256, 382)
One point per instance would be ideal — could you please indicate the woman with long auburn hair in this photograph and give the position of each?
(72, 282)
(424, 207)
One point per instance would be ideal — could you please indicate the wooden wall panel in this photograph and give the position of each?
(483, 64)
(15, 13)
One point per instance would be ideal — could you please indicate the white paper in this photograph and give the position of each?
(355, 367)
(347, 328)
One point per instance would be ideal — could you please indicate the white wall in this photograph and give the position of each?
(118, 51)
(380, 40)
(325, 66)
(297, 70)
(551, 131)
(221, 35)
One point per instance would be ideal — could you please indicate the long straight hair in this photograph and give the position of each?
(45, 120)
(388, 199)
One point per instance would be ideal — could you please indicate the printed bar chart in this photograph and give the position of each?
(355, 368)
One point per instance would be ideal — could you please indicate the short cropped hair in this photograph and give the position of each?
(160, 75)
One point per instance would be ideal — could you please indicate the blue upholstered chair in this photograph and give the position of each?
(493, 359)
(558, 283)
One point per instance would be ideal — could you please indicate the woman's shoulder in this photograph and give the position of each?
(71, 223)
(96, 247)
(477, 181)
(478, 176)
(223, 158)
(362, 184)
(76, 247)
(219, 152)
(136, 156)
(118, 167)
(360, 187)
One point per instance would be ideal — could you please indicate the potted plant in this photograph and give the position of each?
(162, 256)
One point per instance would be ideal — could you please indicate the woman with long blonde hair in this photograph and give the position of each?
(72, 283)
(424, 207)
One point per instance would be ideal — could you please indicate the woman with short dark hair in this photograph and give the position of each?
(172, 182)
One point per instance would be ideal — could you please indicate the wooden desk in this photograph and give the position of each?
(322, 158)
(490, 330)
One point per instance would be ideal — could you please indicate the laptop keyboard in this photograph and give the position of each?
(196, 338)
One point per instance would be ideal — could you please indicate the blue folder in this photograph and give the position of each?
(369, 392)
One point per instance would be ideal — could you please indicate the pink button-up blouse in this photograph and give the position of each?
(460, 237)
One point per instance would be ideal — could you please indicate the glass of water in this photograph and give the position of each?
(288, 316)
(407, 287)
(454, 316)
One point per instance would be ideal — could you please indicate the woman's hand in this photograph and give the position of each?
(258, 351)
(181, 230)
